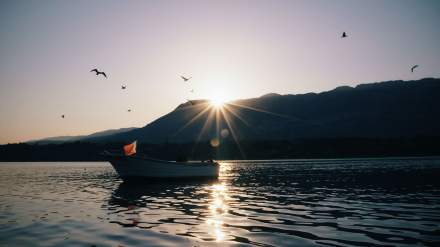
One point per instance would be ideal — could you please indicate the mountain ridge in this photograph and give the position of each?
(369, 110)
(64, 139)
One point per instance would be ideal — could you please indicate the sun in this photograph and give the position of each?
(217, 102)
(218, 96)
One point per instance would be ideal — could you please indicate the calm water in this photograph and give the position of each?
(370, 202)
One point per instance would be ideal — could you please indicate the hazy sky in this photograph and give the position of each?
(235, 49)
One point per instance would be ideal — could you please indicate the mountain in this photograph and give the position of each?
(85, 138)
(393, 118)
(391, 109)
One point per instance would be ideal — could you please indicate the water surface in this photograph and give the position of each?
(352, 202)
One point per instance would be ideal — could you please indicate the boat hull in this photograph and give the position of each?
(131, 167)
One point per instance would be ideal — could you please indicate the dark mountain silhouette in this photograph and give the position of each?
(394, 118)
(84, 138)
(270, 95)
(392, 109)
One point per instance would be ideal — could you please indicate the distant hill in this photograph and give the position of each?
(391, 109)
(85, 138)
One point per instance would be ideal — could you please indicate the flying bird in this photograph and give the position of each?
(185, 78)
(98, 72)
(123, 87)
(414, 67)
(62, 116)
(344, 35)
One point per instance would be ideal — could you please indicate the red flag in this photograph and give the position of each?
(130, 149)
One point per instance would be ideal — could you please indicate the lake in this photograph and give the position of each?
(346, 202)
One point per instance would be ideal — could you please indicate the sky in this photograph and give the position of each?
(232, 49)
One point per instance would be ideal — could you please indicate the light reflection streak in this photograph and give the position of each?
(217, 208)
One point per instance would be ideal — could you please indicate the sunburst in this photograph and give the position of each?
(225, 115)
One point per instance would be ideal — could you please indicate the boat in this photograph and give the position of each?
(129, 165)
(134, 166)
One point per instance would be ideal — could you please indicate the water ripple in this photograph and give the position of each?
(369, 202)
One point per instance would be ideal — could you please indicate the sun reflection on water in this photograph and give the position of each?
(218, 207)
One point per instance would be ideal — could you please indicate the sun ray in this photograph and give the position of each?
(192, 120)
(293, 118)
(237, 115)
(262, 111)
(207, 121)
(217, 121)
(228, 111)
(234, 135)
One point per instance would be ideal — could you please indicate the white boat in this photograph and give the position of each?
(143, 167)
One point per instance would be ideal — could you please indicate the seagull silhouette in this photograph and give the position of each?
(98, 72)
(344, 35)
(123, 87)
(185, 78)
(414, 67)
